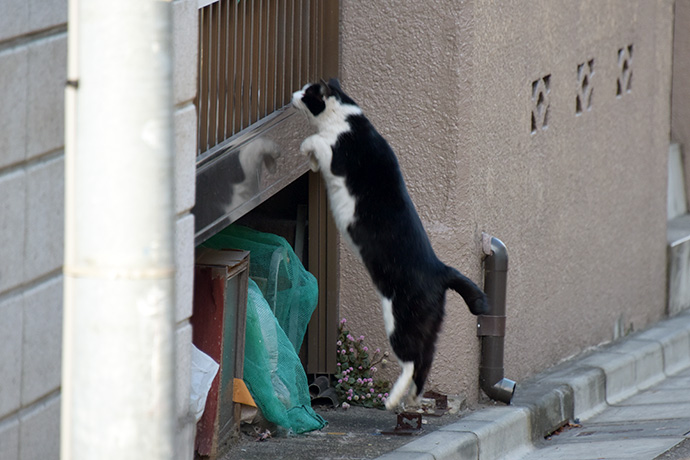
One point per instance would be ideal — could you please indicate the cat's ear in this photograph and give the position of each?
(325, 89)
(335, 83)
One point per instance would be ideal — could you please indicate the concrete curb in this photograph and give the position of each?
(576, 389)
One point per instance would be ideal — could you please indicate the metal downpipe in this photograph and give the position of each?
(491, 327)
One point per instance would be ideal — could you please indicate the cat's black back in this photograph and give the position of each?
(385, 229)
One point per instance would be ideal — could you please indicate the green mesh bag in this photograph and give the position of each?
(290, 290)
(282, 296)
(273, 371)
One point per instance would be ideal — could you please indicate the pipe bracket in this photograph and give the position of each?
(491, 326)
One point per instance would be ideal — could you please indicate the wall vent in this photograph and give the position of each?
(583, 100)
(625, 73)
(541, 102)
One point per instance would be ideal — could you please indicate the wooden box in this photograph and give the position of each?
(218, 322)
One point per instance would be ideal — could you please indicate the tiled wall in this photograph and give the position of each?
(33, 56)
(33, 53)
(185, 30)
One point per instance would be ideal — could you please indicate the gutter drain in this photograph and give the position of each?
(491, 327)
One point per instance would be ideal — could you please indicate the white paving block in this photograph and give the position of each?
(620, 374)
(661, 396)
(629, 448)
(403, 455)
(675, 342)
(649, 360)
(589, 389)
(501, 431)
(623, 413)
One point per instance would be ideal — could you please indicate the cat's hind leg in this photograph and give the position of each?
(402, 385)
(421, 372)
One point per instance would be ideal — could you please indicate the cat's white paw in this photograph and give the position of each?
(313, 163)
(391, 403)
(411, 401)
(402, 385)
(310, 147)
(405, 401)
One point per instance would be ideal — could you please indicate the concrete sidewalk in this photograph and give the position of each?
(643, 426)
(632, 398)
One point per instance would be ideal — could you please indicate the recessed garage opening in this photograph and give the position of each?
(252, 182)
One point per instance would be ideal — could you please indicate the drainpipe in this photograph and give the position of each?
(491, 327)
(118, 399)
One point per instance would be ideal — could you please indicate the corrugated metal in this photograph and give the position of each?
(252, 56)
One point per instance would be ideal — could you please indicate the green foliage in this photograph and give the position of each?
(356, 369)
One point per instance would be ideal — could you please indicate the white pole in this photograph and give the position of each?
(118, 363)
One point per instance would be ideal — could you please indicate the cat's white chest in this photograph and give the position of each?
(330, 126)
(343, 205)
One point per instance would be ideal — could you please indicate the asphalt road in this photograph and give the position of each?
(679, 452)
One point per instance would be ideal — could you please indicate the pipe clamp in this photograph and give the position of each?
(491, 326)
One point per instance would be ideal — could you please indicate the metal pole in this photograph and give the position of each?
(118, 353)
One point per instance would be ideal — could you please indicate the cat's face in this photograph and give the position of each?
(319, 99)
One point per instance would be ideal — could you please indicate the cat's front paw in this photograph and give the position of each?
(309, 148)
(313, 163)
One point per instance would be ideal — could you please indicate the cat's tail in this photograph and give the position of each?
(470, 292)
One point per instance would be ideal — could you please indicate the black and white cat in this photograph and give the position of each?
(375, 215)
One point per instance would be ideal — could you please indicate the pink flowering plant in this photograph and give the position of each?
(356, 366)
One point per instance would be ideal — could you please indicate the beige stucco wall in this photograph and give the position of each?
(680, 101)
(580, 205)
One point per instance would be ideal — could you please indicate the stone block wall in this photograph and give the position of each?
(185, 32)
(33, 60)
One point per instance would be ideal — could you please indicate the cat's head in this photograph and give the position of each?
(320, 100)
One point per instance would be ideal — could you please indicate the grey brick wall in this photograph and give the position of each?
(33, 56)
(185, 38)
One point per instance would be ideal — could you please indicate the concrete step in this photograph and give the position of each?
(677, 202)
(584, 388)
(678, 234)
(643, 426)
